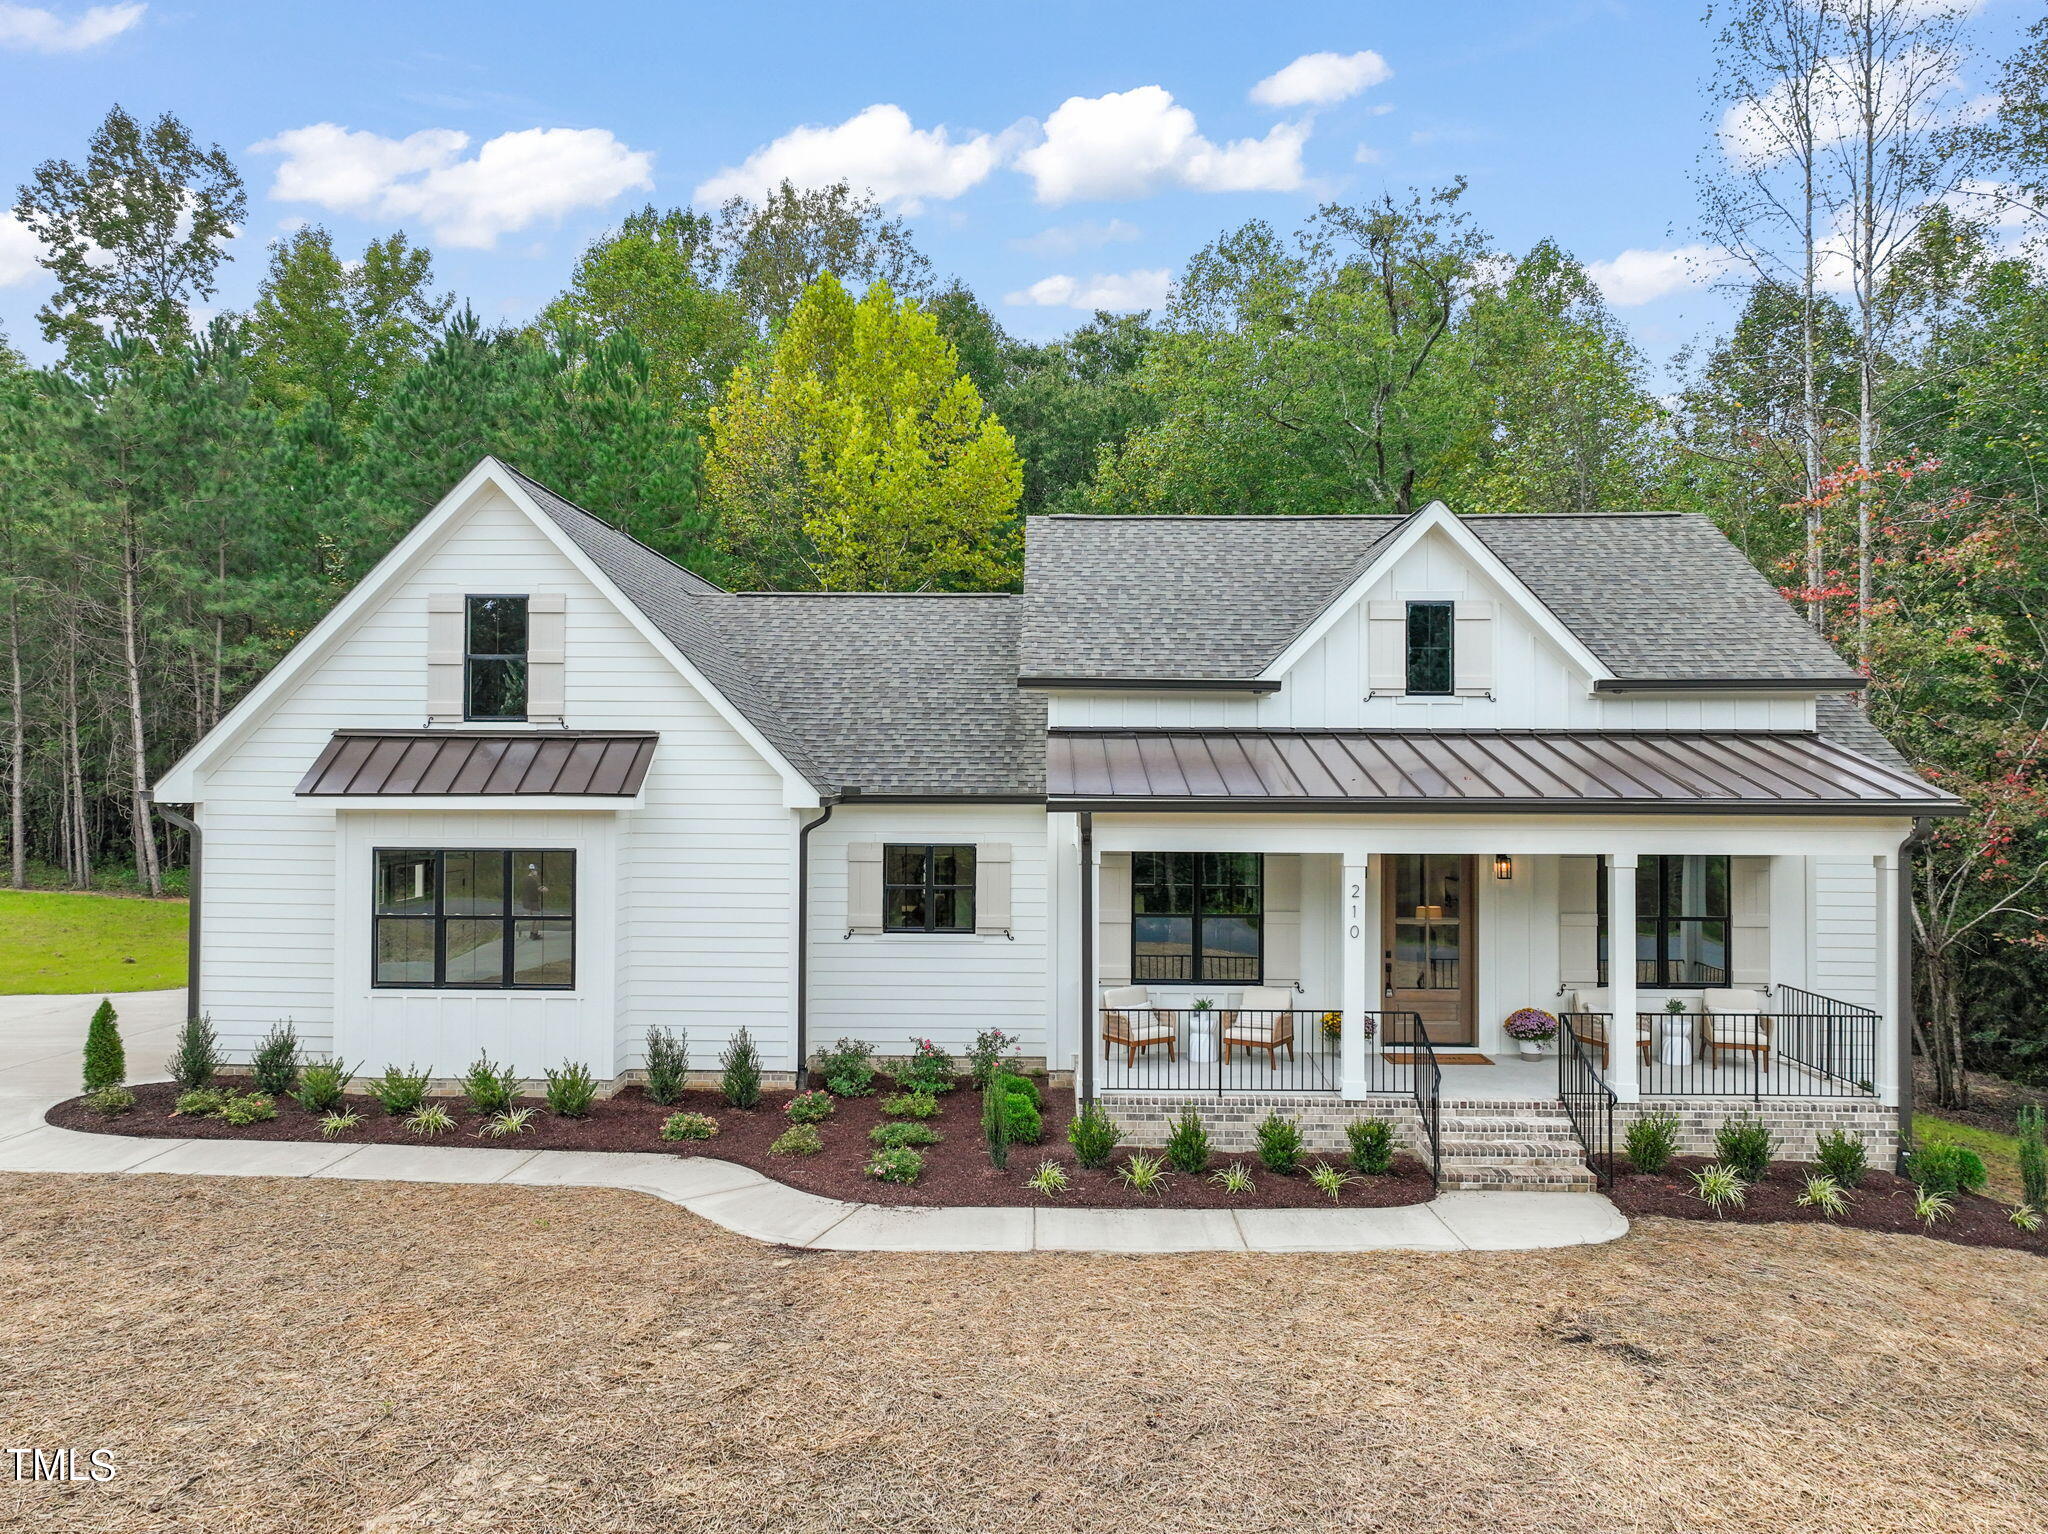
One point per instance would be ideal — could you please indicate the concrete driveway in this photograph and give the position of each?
(42, 1047)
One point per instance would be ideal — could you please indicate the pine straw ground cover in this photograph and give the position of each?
(263, 1355)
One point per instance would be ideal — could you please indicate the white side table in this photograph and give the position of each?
(1202, 1036)
(1674, 1038)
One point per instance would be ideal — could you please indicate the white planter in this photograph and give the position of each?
(1532, 1051)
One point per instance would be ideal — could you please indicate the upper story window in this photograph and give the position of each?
(927, 888)
(494, 658)
(1198, 917)
(1682, 928)
(475, 919)
(1431, 672)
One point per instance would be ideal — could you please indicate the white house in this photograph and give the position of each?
(1241, 811)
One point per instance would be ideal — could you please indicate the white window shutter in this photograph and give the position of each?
(864, 887)
(1578, 921)
(1472, 649)
(547, 616)
(444, 657)
(1113, 921)
(1282, 922)
(1749, 909)
(1386, 648)
(992, 888)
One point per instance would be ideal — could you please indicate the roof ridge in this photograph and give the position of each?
(954, 594)
(680, 569)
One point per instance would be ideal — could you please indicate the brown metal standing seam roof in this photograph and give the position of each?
(400, 763)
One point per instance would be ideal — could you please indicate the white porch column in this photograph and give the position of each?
(1887, 1047)
(1359, 943)
(1623, 1076)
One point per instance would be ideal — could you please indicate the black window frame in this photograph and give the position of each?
(1198, 956)
(471, 655)
(440, 917)
(1667, 922)
(1426, 651)
(931, 886)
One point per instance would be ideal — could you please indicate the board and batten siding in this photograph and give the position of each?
(703, 876)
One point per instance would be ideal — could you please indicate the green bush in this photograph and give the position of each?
(668, 1065)
(797, 1140)
(689, 1126)
(397, 1091)
(199, 1103)
(1279, 1144)
(2032, 1125)
(739, 1067)
(570, 1091)
(1940, 1166)
(911, 1105)
(275, 1065)
(321, 1085)
(812, 1107)
(894, 1135)
(1023, 1086)
(1187, 1143)
(1651, 1142)
(197, 1059)
(848, 1068)
(490, 1089)
(110, 1101)
(247, 1108)
(995, 1123)
(1372, 1146)
(1094, 1136)
(1841, 1155)
(1744, 1146)
(929, 1069)
(902, 1165)
(106, 1062)
(1027, 1127)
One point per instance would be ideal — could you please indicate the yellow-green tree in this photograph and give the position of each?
(857, 457)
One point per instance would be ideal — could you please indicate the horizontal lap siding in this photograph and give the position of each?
(1842, 956)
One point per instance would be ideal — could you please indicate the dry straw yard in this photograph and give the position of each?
(319, 1356)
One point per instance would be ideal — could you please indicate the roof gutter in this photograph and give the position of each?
(1859, 808)
(1732, 684)
(803, 946)
(197, 841)
(1151, 683)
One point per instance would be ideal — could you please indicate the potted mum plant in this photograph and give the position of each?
(1332, 1024)
(1532, 1029)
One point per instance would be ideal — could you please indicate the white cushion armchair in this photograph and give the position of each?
(1735, 1020)
(1262, 1019)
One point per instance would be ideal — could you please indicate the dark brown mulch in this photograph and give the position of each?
(956, 1171)
(1883, 1203)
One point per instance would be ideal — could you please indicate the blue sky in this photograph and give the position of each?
(1052, 154)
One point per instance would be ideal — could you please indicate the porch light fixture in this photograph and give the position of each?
(1503, 866)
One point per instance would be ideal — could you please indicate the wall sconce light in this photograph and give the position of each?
(1503, 866)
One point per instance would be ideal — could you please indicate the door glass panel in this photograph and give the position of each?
(1429, 892)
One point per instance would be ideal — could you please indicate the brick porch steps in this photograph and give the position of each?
(1510, 1147)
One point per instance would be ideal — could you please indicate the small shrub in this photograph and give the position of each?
(1651, 1142)
(993, 1051)
(106, 1062)
(248, 1108)
(1235, 1178)
(909, 1105)
(848, 1068)
(739, 1080)
(891, 1135)
(995, 1123)
(430, 1119)
(2031, 1124)
(1026, 1126)
(929, 1069)
(1187, 1143)
(1722, 1187)
(275, 1065)
(1372, 1146)
(1144, 1174)
(333, 1124)
(490, 1089)
(689, 1126)
(902, 1165)
(397, 1091)
(1050, 1178)
(110, 1101)
(570, 1091)
(2024, 1217)
(1023, 1086)
(1094, 1136)
(199, 1103)
(1841, 1155)
(512, 1121)
(1279, 1144)
(809, 1107)
(321, 1085)
(1822, 1192)
(197, 1059)
(1744, 1146)
(1941, 1166)
(797, 1140)
(668, 1065)
(1930, 1208)
(1331, 1180)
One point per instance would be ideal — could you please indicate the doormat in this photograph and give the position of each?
(1441, 1059)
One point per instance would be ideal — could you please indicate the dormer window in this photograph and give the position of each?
(1432, 671)
(494, 658)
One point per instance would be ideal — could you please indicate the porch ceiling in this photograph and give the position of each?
(1507, 770)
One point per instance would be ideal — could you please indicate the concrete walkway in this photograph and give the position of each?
(41, 1037)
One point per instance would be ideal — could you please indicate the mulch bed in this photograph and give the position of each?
(956, 1171)
(1883, 1202)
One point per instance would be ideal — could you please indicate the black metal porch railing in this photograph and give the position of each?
(1219, 1050)
(1587, 1100)
(1428, 1082)
(1812, 1046)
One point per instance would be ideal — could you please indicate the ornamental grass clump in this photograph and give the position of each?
(1094, 1136)
(1331, 1180)
(929, 1069)
(668, 1065)
(692, 1126)
(1822, 1192)
(1842, 1156)
(106, 1062)
(321, 1085)
(1235, 1178)
(1721, 1187)
(1279, 1144)
(1144, 1174)
(739, 1072)
(397, 1091)
(1745, 1146)
(1187, 1144)
(1049, 1178)
(1651, 1142)
(2024, 1217)
(797, 1140)
(1930, 1207)
(333, 1124)
(275, 1065)
(430, 1119)
(1372, 1146)
(197, 1059)
(499, 1126)
(570, 1091)
(812, 1107)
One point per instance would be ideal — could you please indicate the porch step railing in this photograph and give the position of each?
(1588, 1101)
(1428, 1086)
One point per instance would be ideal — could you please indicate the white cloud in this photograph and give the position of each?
(1365, 154)
(1318, 79)
(511, 182)
(18, 252)
(1145, 289)
(1639, 276)
(877, 149)
(1131, 143)
(1065, 239)
(41, 31)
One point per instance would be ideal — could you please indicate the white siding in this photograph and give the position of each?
(1842, 952)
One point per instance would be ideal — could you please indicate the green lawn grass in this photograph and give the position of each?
(67, 944)
(2001, 1153)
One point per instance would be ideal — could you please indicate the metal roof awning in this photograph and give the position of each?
(1517, 771)
(411, 763)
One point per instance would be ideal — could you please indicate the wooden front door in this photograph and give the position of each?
(1427, 927)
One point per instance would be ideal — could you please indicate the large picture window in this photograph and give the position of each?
(1198, 917)
(1682, 928)
(494, 658)
(927, 888)
(1430, 670)
(475, 920)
